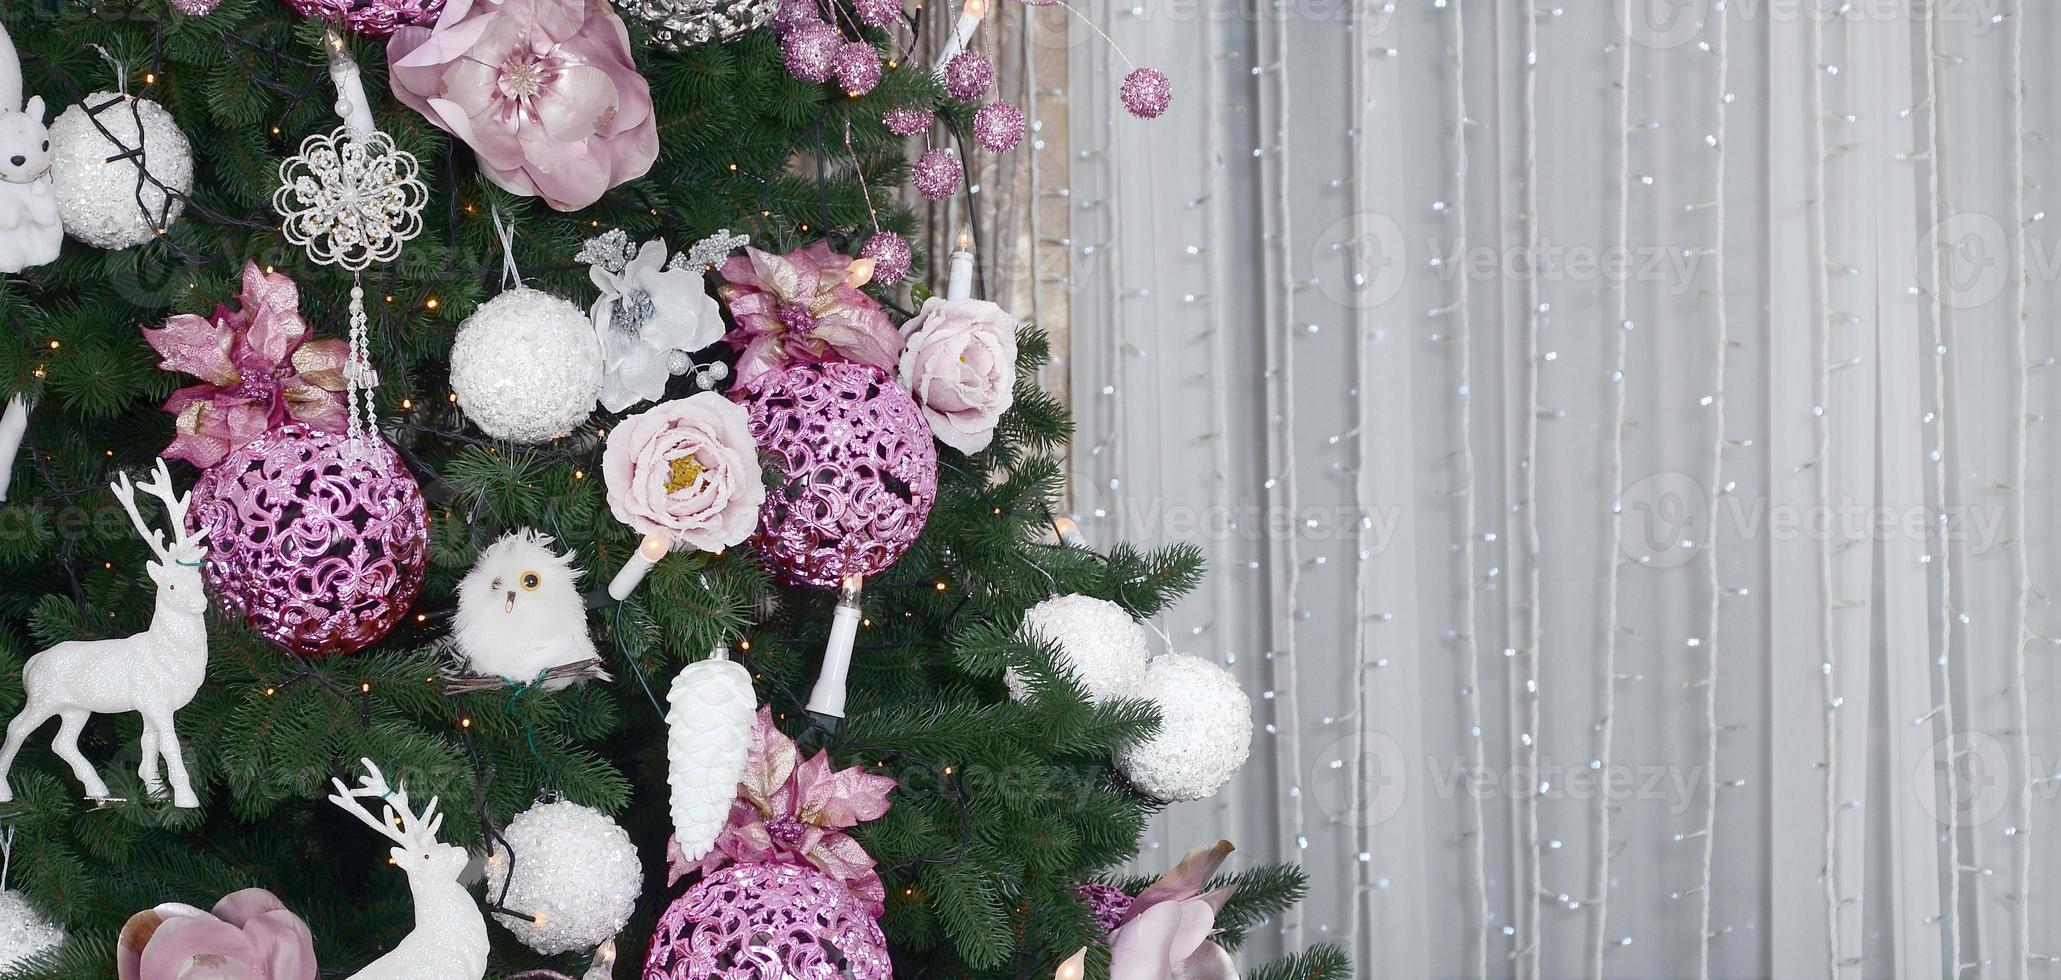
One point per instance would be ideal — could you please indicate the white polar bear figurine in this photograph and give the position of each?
(30, 232)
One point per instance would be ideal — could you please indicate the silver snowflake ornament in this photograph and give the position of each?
(350, 200)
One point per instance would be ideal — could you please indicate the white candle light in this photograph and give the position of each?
(654, 546)
(959, 284)
(827, 698)
(14, 424)
(970, 15)
(351, 104)
(1075, 967)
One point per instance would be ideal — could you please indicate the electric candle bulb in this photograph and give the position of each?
(826, 699)
(654, 546)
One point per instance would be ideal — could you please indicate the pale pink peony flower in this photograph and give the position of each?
(689, 468)
(804, 307)
(544, 91)
(959, 360)
(250, 935)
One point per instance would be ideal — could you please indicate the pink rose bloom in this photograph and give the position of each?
(804, 307)
(544, 91)
(250, 935)
(960, 363)
(689, 468)
(257, 367)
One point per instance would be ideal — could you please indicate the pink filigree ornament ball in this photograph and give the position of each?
(318, 543)
(858, 470)
(749, 921)
(372, 18)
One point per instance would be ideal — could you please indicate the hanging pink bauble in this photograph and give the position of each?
(903, 121)
(890, 255)
(767, 920)
(998, 127)
(856, 66)
(792, 12)
(936, 174)
(372, 18)
(809, 48)
(968, 75)
(858, 470)
(1147, 93)
(877, 13)
(319, 548)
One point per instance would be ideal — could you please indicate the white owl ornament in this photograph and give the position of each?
(520, 615)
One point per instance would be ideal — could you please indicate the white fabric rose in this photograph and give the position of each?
(959, 360)
(647, 312)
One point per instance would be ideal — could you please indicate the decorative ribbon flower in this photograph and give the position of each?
(257, 367)
(687, 468)
(960, 363)
(648, 311)
(544, 91)
(795, 811)
(250, 935)
(1165, 931)
(804, 307)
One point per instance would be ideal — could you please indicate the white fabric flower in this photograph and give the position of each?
(646, 313)
(959, 360)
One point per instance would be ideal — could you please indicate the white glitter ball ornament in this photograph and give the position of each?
(1205, 730)
(575, 870)
(110, 203)
(526, 366)
(24, 932)
(1104, 647)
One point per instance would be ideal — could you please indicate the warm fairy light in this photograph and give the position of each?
(1075, 967)
(744, 644)
(407, 404)
(422, 617)
(655, 545)
(975, 8)
(965, 239)
(271, 691)
(942, 585)
(365, 687)
(55, 345)
(579, 474)
(432, 303)
(465, 722)
(150, 78)
(452, 398)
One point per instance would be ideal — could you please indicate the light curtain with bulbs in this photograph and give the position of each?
(1624, 440)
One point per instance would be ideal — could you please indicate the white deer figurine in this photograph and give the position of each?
(153, 673)
(450, 937)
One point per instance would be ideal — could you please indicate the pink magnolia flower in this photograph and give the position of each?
(544, 91)
(960, 363)
(1166, 930)
(250, 935)
(795, 811)
(804, 307)
(688, 468)
(257, 367)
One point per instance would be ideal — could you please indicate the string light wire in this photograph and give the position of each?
(1526, 662)
(2021, 828)
(1721, 343)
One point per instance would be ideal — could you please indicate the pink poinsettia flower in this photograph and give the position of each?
(544, 91)
(795, 811)
(250, 935)
(257, 367)
(804, 307)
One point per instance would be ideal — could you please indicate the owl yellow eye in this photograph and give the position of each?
(530, 581)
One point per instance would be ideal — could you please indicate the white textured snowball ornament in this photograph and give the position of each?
(23, 930)
(1205, 730)
(1104, 647)
(576, 875)
(526, 366)
(109, 195)
(708, 732)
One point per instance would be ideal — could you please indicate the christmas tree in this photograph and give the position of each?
(1002, 808)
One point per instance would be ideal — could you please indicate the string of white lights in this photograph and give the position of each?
(1361, 93)
(1476, 830)
(2021, 630)
(1616, 333)
(1936, 209)
(1219, 360)
(1721, 345)
(1815, 159)
(1527, 660)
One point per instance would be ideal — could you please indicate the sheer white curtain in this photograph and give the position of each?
(1624, 439)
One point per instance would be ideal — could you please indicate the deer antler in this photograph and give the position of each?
(184, 547)
(406, 829)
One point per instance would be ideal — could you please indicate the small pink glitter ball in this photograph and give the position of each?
(858, 470)
(968, 75)
(809, 48)
(792, 12)
(196, 8)
(1147, 93)
(767, 920)
(317, 544)
(877, 13)
(890, 255)
(998, 127)
(856, 68)
(903, 121)
(936, 174)
(1108, 903)
(372, 18)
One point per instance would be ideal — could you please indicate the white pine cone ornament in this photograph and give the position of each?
(708, 731)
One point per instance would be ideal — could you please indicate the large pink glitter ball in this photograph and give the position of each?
(858, 470)
(998, 127)
(809, 48)
(968, 75)
(936, 174)
(319, 544)
(767, 920)
(372, 18)
(856, 66)
(904, 121)
(891, 257)
(1146, 92)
